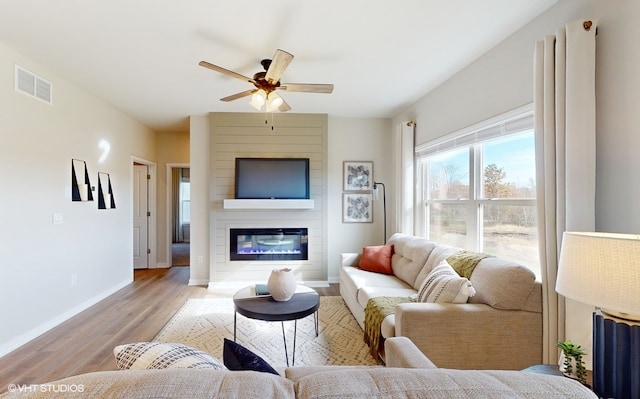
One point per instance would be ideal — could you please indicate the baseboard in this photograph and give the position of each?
(334, 280)
(201, 281)
(44, 327)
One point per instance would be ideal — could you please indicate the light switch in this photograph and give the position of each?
(57, 218)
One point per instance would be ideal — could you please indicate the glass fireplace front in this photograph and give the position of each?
(268, 244)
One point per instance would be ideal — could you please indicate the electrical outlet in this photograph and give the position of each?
(74, 279)
(200, 259)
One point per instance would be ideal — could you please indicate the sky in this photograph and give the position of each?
(515, 154)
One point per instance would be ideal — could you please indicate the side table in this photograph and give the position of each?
(552, 369)
(304, 302)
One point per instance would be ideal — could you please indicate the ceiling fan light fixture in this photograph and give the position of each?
(267, 82)
(274, 101)
(258, 99)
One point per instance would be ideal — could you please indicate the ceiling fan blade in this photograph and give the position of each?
(225, 71)
(284, 107)
(239, 95)
(279, 63)
(307, 87)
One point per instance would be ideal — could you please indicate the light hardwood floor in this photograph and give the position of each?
(85, 342)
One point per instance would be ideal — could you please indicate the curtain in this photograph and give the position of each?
(175, 198)
(564, 123)
(404, 177)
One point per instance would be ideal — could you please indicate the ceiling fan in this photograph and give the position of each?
(266, 83)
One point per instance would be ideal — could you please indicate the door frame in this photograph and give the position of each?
(169, 202)
(152, 198)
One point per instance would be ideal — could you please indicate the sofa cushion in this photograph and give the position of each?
(377, 259)
(396, 383)
(358, 278)
(162, 355)
(409, 257)
(502, 284)
(237, 357)
(167, 383)
(444, 285)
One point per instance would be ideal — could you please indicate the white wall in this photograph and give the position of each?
(349, 139)
(37, 143)
(357, 139)
(501, 80)
(246, 135)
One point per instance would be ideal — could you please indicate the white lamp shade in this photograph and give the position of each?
(601, 269)
(258, 99)
(274, 101)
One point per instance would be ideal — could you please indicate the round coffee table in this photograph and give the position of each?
(304, 302)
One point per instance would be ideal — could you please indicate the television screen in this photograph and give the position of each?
(272, 178)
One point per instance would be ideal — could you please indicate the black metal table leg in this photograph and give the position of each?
(284, 338)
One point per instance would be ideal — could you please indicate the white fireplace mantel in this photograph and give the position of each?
(268, 204)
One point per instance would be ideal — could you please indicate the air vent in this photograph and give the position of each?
(33, 85)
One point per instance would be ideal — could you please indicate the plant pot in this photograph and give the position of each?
(282, 284)
(563, 368)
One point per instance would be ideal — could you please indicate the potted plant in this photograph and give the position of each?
(571, 363)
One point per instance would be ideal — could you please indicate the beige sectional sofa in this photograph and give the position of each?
(408, 374)
(500, 327)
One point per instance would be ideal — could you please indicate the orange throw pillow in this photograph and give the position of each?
(377, 259)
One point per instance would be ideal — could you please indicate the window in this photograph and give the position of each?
(478, 189)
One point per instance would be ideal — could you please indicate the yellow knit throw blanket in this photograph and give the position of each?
(464, 262)
(376, 310)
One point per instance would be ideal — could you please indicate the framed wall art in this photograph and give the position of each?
(357, 175)
(357, 208)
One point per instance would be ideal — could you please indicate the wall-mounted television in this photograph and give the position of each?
(272, 178)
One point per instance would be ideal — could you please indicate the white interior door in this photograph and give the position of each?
(140, 216)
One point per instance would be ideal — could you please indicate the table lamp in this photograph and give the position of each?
(603, 270)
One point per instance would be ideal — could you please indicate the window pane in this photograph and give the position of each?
(449, 175)
(185, 196)
(185, 214)
(448, 224)
(508, 167)
(509, 232)
(185, 191)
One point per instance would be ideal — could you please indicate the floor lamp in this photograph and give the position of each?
(384, 204)
(601, 269)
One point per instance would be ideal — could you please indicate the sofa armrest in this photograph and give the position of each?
(401, 352)
(472, 336)
(349, 259)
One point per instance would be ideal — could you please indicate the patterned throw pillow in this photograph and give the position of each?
(237, 357)
(160, 355)
(444, 285)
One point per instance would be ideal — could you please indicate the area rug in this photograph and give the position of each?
(203, 323)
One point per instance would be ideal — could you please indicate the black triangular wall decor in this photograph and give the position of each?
(75, 192)
(88, 181)
(105, 192)
(113, 201)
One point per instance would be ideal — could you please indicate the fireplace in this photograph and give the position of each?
(268, 244)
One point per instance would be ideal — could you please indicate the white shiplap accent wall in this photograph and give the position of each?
(236, 135)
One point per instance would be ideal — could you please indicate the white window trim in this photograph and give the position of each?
(506, 124)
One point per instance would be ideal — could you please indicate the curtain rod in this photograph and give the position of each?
(587, 26)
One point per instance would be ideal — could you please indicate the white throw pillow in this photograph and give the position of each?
(160, 355)
(444, 285)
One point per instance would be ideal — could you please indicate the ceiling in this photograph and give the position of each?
(142, 55)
